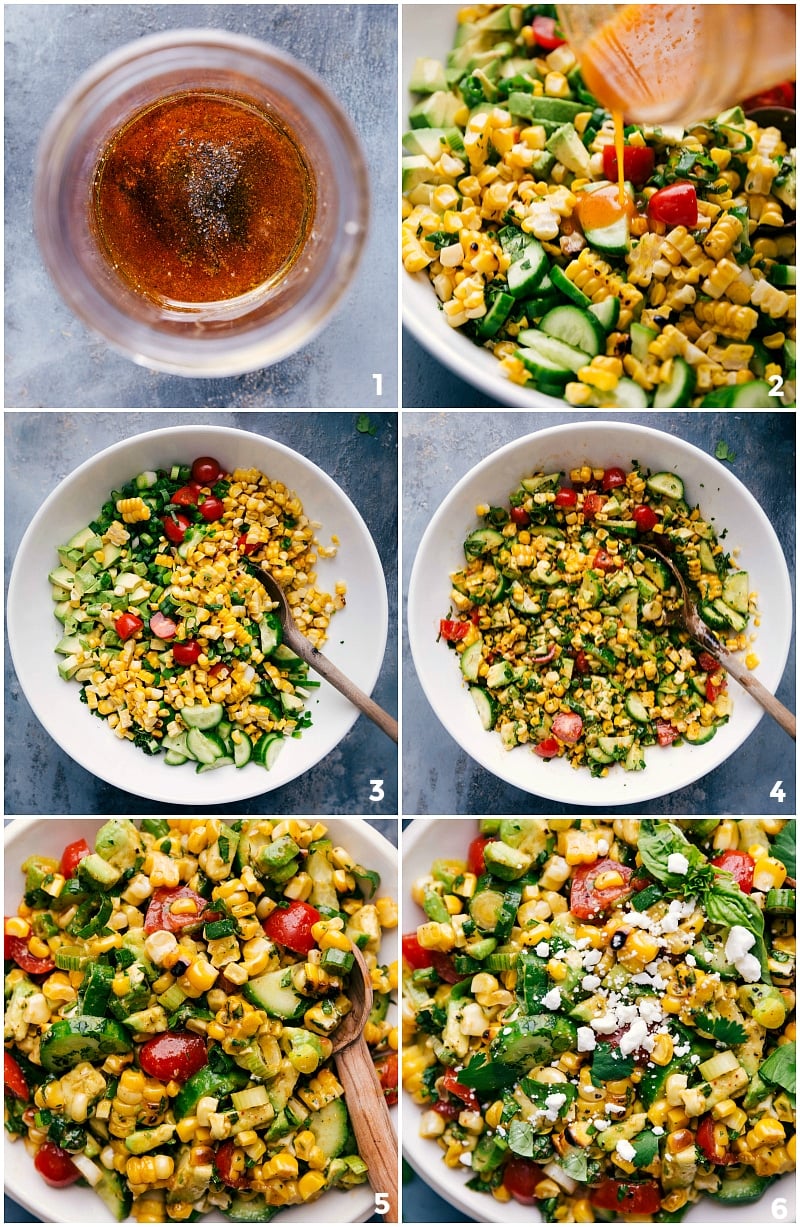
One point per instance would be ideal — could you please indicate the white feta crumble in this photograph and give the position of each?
(616, 1108)
(466, 1158)
(553, 1105)
(657, 1131)
(543, 950)
(625, 1150)
(591, 958)
(590, 983)
(605, 1025)
(602, 847)
(740, 940)
(690, 960)
(634, 1037)
(694, 1058)
(581, 943)
(681, 1051)
(650, 1010)
(601, 1124)
(677, 863)
(552, 1000)
(586, 1039)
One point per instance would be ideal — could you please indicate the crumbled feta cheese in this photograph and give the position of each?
(581, 943)
(625, 1150)
(616, 1108)
(681, 1050)
(466, 1158)
(634, 1037)
(591, 958)
(736, 948)
(553, 1105)
(543, 950)
(605, 1025)
(600, 1124)
(552, 1000)
(586, 1039)
(602, 847)
(690, 960)
(749, 968)
(650, 1010)
(590, 983)
(677, 863)
(657, 1130)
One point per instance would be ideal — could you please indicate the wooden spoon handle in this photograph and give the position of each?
(371, 1122)
(327, 669)
(753, 686)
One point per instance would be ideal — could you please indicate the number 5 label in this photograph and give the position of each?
(382, 1204)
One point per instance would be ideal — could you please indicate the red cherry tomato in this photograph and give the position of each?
(223, 1162)
(13, 1078)
(779, 96)
(245, 546)
(708, 662)
(612, 478)
(72, 855)
(448, 1109)
(520, 1177)
(520, 517)
(212, 508)
(173, 1055)
(707, 1141)
(175, 527)
(160, 916)
(714, 689)
(291, 926)
(565, 497)
(413, 953)
(187, 496)
(386, 1069)
(603, 561)
(547, 748)
(638, 162)
(16, 948)
(219, 671)
(568, 726)
(665, 732)
(592, 503)
(544, 29)
(586, 901)
(453, 631)
(675, 205)
(162, 626)
(451, 1084)
(627, 1196)
(646, 519)
(206, 470)
(55, 1165)
(186, 653)
(475, 859)
(582, 662)
(740, 865)
(127, 625)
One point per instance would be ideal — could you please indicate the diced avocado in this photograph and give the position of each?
(570, 150)
(438, 110)
(80, 539)
(417, 169)
(94, 872)
(118, 843)
(71, 559)
(63, 577)
(785, 188)
(68, 667)
(506, 862)
(428, 143)
(15, 1025)
(62, 610)
(70, 644)
(427, 76)
(190, 1179)
(111, 554)
(732, 118)
(507, 18)
(559, 109)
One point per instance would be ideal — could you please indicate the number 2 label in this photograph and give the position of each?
(776, 385)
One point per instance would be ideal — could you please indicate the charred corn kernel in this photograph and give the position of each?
(546, 1188)
(768, 873)
(766, 1132)
(147, 1169)
(310, 1185)
(39, 948)
(387, 912)
(200, 976)
(15, 926)
(186, 1128)
(183, 907)
(556, 970)
(791, 1148)
(639, 950)
(662, 1050)
(609, 878)
(436, 936)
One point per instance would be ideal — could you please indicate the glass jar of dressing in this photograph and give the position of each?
(201, 201)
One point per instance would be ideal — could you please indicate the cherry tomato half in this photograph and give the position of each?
(219, 671)
(665, 732)
(779, 96)
(592, 503)
(206, 470)
(162, 626)
(675, 205)
(187, 496)
(291, 926)
(72, 855)
(453, 631)
(740, 865)
(160, 916)
(451, 1084)
(127, 625)
(212, 508)
(13, 1078)
(475, 858)
(612, 478)
(520, 1177)
(547, 748)
(16, 948)
(586, 901)
(603, 561)
(55, 1166)
(544, 29)
(387, 1072)
(519, 516)
(709, 1141)
(173, 1055)
(714, 688)
(417, 958)
(565, 497)
(645, 518)
(186, 653)
(708, 662)
(223, 1162)
(175, 527)
(627, 1196)
(246, 546)
(638, 162)
(568, 726)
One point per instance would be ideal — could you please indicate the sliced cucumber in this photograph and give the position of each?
(483, 541)
(555, 354)
(636, 709)
(732, 617)
(471, 659)
(484, 705)
(242, 749)
(197, 717)
(562, 282)
(753, 395)
(580, 329)
(330, 1126)
(275, 994)
(84, 1038)
(525, 273)
(736, 591)
(666, 485)
(206, 749)
(613, 240)
(641, 336)
(607, 312)
(626, 395)
(495, 317)
(704, 733)
(224, 760)
(676, 393)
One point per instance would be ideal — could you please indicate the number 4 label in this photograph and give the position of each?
(776, 792)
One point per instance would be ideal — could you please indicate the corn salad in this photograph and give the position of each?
(598, 1015)
(675, 302)
(172, 998)
(172, 640)
(561, 618)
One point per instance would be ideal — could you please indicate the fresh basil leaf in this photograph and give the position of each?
(784, 849)
(646, 1147)
(609, 1065)
(483, 1075)
(575, 1163)
(727, 905)
(780, 1068)
(539, 1092)
(658, 841)
(520, 1138)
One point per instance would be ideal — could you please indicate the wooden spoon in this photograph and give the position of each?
(694, 625)
(294, 638)
(364, 1095)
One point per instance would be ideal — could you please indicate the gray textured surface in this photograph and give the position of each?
(438, 449)
(429, 384)
(42, 448)
(52, 361)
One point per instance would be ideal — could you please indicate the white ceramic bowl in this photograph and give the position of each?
(49, 836)
(429, 30)
(722, 498)
(356, 645)
(423, 842)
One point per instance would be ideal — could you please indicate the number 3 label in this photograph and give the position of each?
(376, 795)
